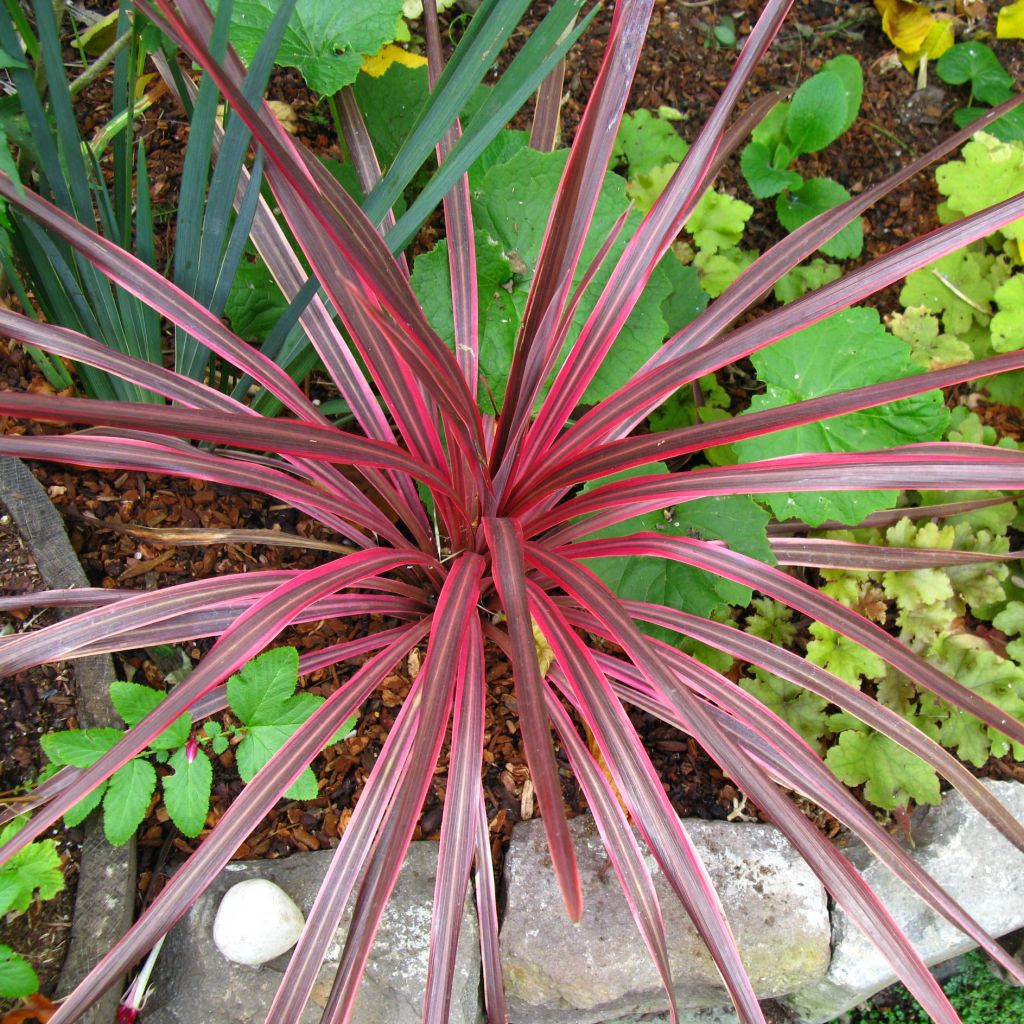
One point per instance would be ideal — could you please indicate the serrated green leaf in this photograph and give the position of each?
(85, 806)
(806, 278)
(17, 978)
(220, 744)
(892, 776)
(815, 196)
(1011, 619)
(929, 349)
(133, 702)
(846, 350)
(989, 172)
(720, 269)
(187, 791)
(324, 40)
(304, 787)
(842, 656)
(127, 799)
(263, 686)
(264, 739)
(79, 747)
(959, 287)
(817, 113)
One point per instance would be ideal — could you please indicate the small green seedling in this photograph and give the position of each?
(975, 65)
(821, 110)
(34, 873)
(261, 696)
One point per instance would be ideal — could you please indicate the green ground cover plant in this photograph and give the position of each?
(980, 997)
(490, 497)
(260, 696)
(33, 873)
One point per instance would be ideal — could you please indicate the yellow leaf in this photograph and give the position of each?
(1010, 23)
(378, 63)
(936, 43)
(907, 24)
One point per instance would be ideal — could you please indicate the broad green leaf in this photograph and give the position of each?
(264, 685)
(763, 177)
(326, 41)
(10, 892)
(846, 350)
(686, 298)
(17, 978)
(1008, 128)
(815, 196)
(511, 203)
(847, 69)
(127, 799)
(975, 63)
(771, 130)
(255, 303)
(390, 105)
(736, 519)
(892, 776)
(79, 747)
(817, 113)
(187, 791)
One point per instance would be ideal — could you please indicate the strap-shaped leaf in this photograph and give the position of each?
(446, 656)
(504, 538)
(238, 821)
(250, 634)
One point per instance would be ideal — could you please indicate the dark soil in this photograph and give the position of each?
(683, 68)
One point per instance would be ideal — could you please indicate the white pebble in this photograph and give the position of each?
(256, 921)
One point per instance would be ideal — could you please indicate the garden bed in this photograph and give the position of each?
(688, 65)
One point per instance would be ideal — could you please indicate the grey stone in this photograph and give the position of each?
(600, 969)
(968, 858)
(194, 982)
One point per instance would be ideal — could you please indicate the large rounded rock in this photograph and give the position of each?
(256, 921)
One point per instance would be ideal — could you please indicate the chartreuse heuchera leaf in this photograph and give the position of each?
(846, 350)
(989, 172)
(33, 873)
(326, 41)
(891, 775)
(262, 696)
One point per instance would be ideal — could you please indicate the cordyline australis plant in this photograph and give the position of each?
(500, 549)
